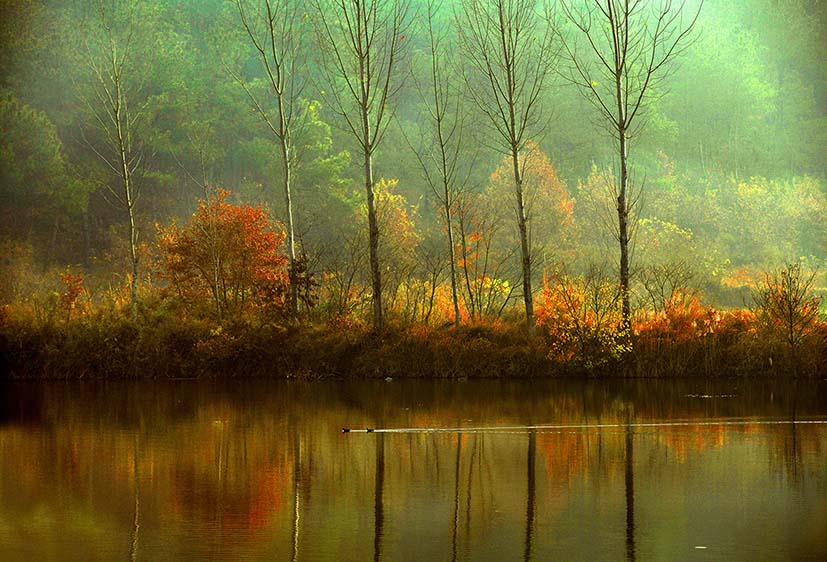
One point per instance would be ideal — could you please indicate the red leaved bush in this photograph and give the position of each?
(73, 289)
(683, 318)
(228, 254)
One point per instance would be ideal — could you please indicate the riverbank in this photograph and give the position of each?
(175, 346)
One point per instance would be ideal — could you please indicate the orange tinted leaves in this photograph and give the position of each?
(226, 253)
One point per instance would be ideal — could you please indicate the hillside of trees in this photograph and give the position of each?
(203, 177)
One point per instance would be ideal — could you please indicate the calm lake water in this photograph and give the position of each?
(253, 470)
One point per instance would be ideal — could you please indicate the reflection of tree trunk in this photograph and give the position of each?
(296, 494)
(221, 463)
(630, 496)
(378, 505)
(470, 482)
(793, 452)
(531, 479)
(483, 469)
(456, 500)
(136, 525)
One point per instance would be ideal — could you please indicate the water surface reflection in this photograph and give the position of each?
(261, 471)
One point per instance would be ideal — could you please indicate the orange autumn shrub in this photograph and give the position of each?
(229, 255)
(682, 318)
(581, 317)
(738, 320)
(786, 305)
(71, 298)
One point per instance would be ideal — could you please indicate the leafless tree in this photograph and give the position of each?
(620, 56)
(510, 52)
(785, 304)
(440, 161)
(273, 27)
(663, 282)
(484, 265)
(362, 43)
(116, 103)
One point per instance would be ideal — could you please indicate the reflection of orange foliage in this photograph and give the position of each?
(267, 494)
(565, 455)
(695, 438)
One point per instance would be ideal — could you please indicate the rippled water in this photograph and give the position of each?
(641, 470)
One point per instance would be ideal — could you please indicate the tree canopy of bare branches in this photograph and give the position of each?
(620, 55)
(116, 104)
(509, 54)
(274, 29)
(440, 161)
(362, 43)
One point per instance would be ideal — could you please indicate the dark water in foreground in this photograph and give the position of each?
(261, 471)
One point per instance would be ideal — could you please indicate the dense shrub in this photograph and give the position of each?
(228, 254)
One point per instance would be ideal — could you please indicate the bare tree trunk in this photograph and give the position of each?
(623, 234)
(373, 234)
(511, 55)
(126, 178)
(446, 205)
(633, 45)
(440, 104)
(364, 40)
(525, 252)
(472, 308)
(291, 245)
(110, 108)
(133, 256)
(282, 58)
(453, 261)
(87, 238)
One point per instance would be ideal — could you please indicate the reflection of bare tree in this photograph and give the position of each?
(630, 494)
(378, 502)
(434, 448)
(456, 500)
(470, 482)
(136, 523)
(297, 467)
(792, 454)
(530, 496)
(243, 465)
(485, 463)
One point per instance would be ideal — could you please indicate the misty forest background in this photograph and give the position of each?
(727, 176)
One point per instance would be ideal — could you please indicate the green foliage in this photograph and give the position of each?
(33, 169)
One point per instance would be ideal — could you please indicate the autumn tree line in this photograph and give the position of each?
(594, 177)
